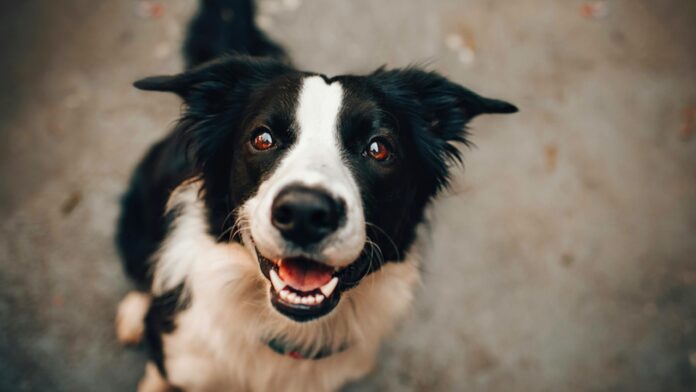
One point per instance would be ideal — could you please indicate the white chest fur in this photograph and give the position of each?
(218, 344)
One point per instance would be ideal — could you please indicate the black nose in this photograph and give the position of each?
(305, 215)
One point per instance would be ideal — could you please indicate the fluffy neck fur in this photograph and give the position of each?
(229, 310)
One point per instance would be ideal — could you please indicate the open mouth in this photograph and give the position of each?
(303, 289)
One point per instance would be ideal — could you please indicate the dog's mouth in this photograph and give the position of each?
(303, 289)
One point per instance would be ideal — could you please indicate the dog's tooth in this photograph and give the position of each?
(278, 283)
(284, 294)
(305, 300)
(328, 288)
(318, 298)
(292, 297)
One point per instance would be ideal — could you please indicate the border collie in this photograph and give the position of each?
(273, 234)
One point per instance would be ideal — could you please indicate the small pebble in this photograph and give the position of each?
(595, 10)
(466, 55)
(162, 51)
(149, 9)
(69, 204)
(463, 45)
(551, 154)
(291, 5)
(454, 41)
(688, 128)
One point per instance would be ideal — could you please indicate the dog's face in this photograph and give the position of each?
(325, 179)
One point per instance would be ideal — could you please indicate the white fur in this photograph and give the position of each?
(153, 381)
(218, 341)
(189, 226)
(130, 317)
(314, 161)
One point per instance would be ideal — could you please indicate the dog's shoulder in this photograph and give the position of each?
(193, 274)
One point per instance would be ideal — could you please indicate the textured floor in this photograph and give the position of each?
(563, 259)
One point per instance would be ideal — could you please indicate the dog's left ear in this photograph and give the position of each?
(436, 97)
(436, 109)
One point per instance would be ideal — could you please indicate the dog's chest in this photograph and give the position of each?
(219, 340)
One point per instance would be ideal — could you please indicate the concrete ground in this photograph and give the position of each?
(564, 257)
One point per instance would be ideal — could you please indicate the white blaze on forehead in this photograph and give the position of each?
(318, 110)
(318, 145)
(315, 160)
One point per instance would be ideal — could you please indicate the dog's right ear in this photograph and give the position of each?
(210, 91)
(208, 85)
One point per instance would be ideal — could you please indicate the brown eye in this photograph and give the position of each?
(262, 139)
(378, 150)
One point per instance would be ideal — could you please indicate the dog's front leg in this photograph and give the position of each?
(153, 381)
(130, 317)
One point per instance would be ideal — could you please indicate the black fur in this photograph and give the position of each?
(230, 93)
(179, 156)
(142, 224)
(160, 319)
(227, 27)
(424, 114)
(421, 114)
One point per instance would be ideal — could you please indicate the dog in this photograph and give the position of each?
(273, 235)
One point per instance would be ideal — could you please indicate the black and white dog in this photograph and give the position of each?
(274, 233)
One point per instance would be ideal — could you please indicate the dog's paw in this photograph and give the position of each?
(153, 381)
(130, 317)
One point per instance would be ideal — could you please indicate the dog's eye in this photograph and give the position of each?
(378, 149)
(261, 139)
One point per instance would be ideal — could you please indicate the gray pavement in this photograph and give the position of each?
(564, 257)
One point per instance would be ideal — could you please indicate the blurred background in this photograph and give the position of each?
(563, 258)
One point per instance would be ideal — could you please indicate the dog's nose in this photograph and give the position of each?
(305, 215)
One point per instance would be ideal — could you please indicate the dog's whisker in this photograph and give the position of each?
(232, 227)
(388, 237)
(241, 225)
(375, 247)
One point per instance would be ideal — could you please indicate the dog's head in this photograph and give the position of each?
(325, 179)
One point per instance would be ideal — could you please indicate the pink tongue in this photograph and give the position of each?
(303, 275)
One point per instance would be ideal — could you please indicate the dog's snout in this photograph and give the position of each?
(306, 215)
